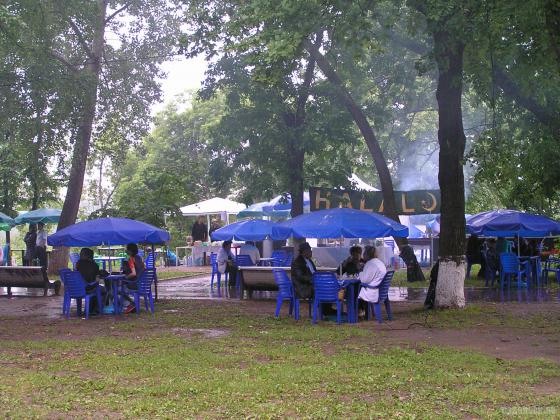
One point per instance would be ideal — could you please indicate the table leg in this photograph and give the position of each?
(351, 304)
(116, 305)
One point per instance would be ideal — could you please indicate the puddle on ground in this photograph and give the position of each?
(206, 333)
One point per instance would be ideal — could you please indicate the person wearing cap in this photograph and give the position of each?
(302, 272)
(226, 262)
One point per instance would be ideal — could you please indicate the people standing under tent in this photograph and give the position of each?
(249, 248)
(226, 262)
(199, 230)
(373, 274)
(133, 269)
(30, 240)
(353, 264)
(215, 225)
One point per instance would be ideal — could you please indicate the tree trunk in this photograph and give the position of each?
(59, 257)
(451, 137)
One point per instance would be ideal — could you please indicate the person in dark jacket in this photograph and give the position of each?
(199, 230)
(302, 272)
(30, 239)
(353, 264)
(89, 270)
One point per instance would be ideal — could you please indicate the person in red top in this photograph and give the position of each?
(133, 270)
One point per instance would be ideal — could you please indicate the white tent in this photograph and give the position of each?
(360, 183)
(212, 206)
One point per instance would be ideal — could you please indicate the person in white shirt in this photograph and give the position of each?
(226, 262)
(249, 248)
(373, 274)
(41, 245)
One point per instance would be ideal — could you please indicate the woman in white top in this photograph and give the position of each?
(373, 273)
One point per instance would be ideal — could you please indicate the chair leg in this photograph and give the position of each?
(146, 303)
(338, 312)
(137, 303)
(99, 301)
(296, 309)
(87, 306)
(212, 280)
(377, 310)
(388, 309)
(315, 310)
(278, 306)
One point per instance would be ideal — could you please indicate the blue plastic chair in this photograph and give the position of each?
(150, 260)
(510, 266)
(215, 272)
(383, 297)
(286, 292)
(326, 289)
(66, 301)
(75, 288)
(143, 289)
(551, 265)
(74, 258)
(278, 258)
(288, 260)
(242, 261)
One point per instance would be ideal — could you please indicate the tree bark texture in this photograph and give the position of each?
(59, 257)
(451, 137)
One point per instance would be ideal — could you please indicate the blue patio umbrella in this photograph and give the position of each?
(245, 230)
(509, 223)
(39, 216)
(254, 210)
(108, 231)
(339, 223)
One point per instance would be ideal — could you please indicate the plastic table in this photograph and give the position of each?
(350, 284)
(116, 281)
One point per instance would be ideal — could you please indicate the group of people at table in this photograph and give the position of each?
(363, 266)
(133, 268)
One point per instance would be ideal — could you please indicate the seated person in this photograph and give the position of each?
(353, 264)
(89, 270)
(226, 263)
(373, 274)
(302, 272)
(249, 248)
(133, 269)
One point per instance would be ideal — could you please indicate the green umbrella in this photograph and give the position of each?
(39, 216)
(6, 222)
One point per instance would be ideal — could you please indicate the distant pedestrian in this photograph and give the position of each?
(199, 230)
(30, 240)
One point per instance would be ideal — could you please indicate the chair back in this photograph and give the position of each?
(384, 286)
(150, 260)
(74, 284)
(288, 260)
(243, 261)
(63, 273)
(279, 257)
(285, 288)
(326, 286)
(74, 258)
(509, 262)
(145, 281)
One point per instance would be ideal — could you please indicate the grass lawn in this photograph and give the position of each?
(230, 359)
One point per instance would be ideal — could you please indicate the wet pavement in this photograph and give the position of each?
(32, 302)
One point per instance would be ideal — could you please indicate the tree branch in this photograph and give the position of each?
(81, 39)
(511, 89)
(116, 12)
(64, 60)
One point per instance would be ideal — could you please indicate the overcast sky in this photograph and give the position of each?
(182, 74)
